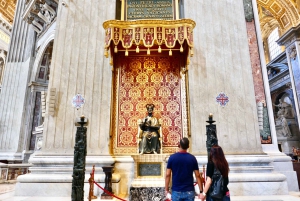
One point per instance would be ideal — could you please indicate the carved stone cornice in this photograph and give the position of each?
(281, 80)
(40, 13)
(37, 86)
(290, 37)
(36, 22)
(5, 25)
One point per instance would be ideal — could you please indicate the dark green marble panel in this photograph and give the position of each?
(149, 169)
(149, 9)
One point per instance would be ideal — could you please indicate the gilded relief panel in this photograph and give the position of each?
(7, 9)
(275, 7)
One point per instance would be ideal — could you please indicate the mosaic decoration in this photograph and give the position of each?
(265, 133)
(222, 99)
(78, 101)
(145, 80)
(147, 193)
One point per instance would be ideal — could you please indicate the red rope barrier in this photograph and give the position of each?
(107, 192)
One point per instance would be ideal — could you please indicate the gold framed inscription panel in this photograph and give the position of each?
(151, 9)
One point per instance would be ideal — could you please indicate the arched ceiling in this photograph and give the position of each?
(283, 14)
(7, 9)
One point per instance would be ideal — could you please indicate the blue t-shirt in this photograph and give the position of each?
(182, 165)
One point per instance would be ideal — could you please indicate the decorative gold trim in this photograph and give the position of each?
(123, 9)
(176, 10)
(184, 113)
(155, 23)
(147, 33)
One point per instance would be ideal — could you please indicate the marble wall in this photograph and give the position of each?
(79, 66)
(221, 63)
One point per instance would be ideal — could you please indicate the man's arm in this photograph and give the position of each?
(167, 180)
(199, 180)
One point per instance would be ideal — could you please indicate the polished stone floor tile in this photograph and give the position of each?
(7, 194)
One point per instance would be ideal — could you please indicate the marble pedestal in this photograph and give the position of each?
(149, 177)
(258, 174)
(287, 144)
(149, 170)
(51, 176)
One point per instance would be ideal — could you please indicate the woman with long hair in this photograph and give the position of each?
(216, 160)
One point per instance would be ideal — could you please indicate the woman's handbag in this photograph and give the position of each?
(217, 186)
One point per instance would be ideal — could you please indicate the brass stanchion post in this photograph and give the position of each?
(91, 182)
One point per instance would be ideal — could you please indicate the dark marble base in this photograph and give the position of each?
(147, 194)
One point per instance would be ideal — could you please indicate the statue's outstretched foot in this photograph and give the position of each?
(154, 152)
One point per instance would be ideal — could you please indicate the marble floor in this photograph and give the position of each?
(7, 194)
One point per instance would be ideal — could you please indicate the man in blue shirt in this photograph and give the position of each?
(181, 166)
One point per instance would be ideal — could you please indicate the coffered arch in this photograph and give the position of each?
(283, 14)
(7, 9)
(268, 24)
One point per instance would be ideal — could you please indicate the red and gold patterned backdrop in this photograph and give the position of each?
(143, 80)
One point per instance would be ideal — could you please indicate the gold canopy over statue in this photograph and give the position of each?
(146, 35)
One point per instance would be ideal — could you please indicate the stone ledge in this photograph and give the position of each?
(257, 188)
(62, 178)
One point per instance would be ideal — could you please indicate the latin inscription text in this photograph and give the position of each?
(154, 9)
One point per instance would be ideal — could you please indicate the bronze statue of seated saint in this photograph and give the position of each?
(149, 133)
